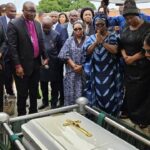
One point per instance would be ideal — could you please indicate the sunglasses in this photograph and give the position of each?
(147, 51)
(30, 11)
(99, 24)
(77, 29)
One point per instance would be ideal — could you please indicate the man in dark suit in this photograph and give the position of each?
(8, 73)
(2, 9)
(58, 27)
(52, 42)
(26, 46)
(63, 35)
(2, 47)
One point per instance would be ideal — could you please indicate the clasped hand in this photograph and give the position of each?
(77, 68)
(99, 38)
(128, 59)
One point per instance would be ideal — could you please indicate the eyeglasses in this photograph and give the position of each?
(99, 24)
(30, 11)
(77, 29)
(147, 51)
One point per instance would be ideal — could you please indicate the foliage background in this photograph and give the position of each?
(63, 5)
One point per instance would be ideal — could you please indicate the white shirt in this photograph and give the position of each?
(70, 29)
(7, 19)
(54, 25)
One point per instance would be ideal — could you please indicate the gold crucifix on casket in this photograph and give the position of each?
(76, 124)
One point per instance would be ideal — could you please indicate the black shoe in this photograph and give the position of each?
(124, 115)
(60, 105)
(142, 126)
(53, 106)
(38, 96)
(43, 106)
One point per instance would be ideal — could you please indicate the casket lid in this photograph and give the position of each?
(49, 133)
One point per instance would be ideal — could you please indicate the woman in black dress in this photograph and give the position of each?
(137, 69)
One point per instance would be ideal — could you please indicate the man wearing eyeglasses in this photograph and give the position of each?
(26, 47)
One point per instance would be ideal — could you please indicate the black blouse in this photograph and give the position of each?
(132, 41)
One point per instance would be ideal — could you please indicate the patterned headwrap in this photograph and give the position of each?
(100, 16)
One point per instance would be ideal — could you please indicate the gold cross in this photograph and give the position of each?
(76, 124)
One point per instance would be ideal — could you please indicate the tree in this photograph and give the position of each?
(76, 4)
(63, 5)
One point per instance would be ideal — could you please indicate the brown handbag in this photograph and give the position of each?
(9, 104)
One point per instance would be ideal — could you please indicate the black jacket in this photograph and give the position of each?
(53, 44)
(20, 44)
(2, 43)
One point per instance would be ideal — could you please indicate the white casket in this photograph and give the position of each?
(60, 133)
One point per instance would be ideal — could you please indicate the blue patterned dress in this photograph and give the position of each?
(104, 85)
(72, 81)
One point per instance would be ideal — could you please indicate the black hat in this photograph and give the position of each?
(130, 8)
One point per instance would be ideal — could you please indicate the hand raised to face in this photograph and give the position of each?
(99, 37)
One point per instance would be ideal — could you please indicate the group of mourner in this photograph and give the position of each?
(81, 53)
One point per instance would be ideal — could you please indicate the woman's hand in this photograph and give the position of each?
(99, 38)
(78, 69)
(124, 55)
(129, 60)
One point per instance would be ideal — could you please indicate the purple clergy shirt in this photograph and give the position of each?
(33, 36)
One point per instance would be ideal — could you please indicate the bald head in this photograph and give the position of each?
(29, 10)
(9, 5)
(73, 12)
(28, 4)
(2, 9)
(46, 20)
(73, 16)
(54, 13)
(10, 10)
(54, 16)
(47, 24)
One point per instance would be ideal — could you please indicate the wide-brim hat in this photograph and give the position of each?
(130, 8)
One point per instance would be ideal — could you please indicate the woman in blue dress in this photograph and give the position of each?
(72, 53)
(104, 87)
